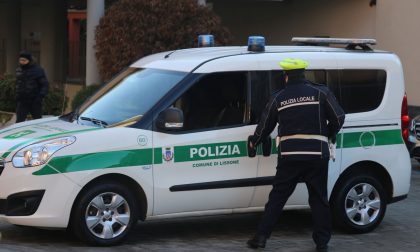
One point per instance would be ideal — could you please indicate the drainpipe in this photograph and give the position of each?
(95, 10)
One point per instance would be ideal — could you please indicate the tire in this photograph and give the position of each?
(359, 204)
(104, 214)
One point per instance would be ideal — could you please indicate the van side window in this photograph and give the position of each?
(263, 85)
(316, 76)
(277, 81)
(361, 90)
(260, 93)
(357, 90)
(216, 100)
(326, 77)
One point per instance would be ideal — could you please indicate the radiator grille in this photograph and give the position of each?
(1, 165)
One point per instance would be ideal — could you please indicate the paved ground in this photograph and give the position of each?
(399, 231)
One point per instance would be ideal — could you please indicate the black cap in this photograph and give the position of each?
(26, 55)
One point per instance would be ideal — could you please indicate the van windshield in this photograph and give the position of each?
(131, 98)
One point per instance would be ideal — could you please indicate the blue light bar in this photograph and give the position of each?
(205, 40)
(256, 44)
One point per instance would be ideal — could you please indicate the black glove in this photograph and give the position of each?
(252, 152)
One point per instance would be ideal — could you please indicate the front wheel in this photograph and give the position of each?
(104, 214)
(359, 204)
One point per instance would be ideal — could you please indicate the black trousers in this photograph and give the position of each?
(29, 106)
(290, 172)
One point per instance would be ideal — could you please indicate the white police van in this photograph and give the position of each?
(167, 138)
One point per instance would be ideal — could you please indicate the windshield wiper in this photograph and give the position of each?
(95, 121)
(127, 122)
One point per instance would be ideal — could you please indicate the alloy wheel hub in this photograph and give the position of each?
(362, 204)
(107, 215)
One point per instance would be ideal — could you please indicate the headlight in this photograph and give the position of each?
(39, 153)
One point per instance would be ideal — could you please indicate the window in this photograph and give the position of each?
(216, 100)
(361, 90)
(263, 85)
(356, 90)
(326, 77)
(132, 97)
(260, 93)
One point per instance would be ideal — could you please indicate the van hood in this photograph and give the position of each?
(20, 135)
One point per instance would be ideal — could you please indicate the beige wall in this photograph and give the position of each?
(395, 24)
(70, 91)
(398, 30)
(280, 21)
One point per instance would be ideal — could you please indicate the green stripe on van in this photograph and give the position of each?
(138, 157)
(93, 161)
(339, 141)
(19, 134)
(372, 138)
(157, 155)
(24, 126)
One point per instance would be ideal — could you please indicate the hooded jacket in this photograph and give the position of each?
(31, 82)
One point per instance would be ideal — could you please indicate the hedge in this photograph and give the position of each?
(54, 103)
(131, 29)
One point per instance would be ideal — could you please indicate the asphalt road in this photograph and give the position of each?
(399, 231)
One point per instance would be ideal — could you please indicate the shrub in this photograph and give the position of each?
(53, 103)
(7, 94)
(82, 95)
(132, 29)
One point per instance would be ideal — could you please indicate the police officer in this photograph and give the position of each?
(31, 88)
(309, 118)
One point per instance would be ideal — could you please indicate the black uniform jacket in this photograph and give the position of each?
(31, 82)
(308, 115)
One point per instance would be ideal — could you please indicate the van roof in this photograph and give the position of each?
(188, 59)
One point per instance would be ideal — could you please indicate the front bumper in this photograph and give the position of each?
(41, 201)
(21, 204)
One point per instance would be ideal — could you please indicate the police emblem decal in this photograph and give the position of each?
(168, 154)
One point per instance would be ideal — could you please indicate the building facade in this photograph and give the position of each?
(392, 23)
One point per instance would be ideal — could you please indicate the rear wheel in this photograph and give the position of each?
(104, 214)
(359, 204)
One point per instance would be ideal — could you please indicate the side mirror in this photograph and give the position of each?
(170, 119)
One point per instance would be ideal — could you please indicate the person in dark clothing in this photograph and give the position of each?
(31, 88)
(309, 118)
